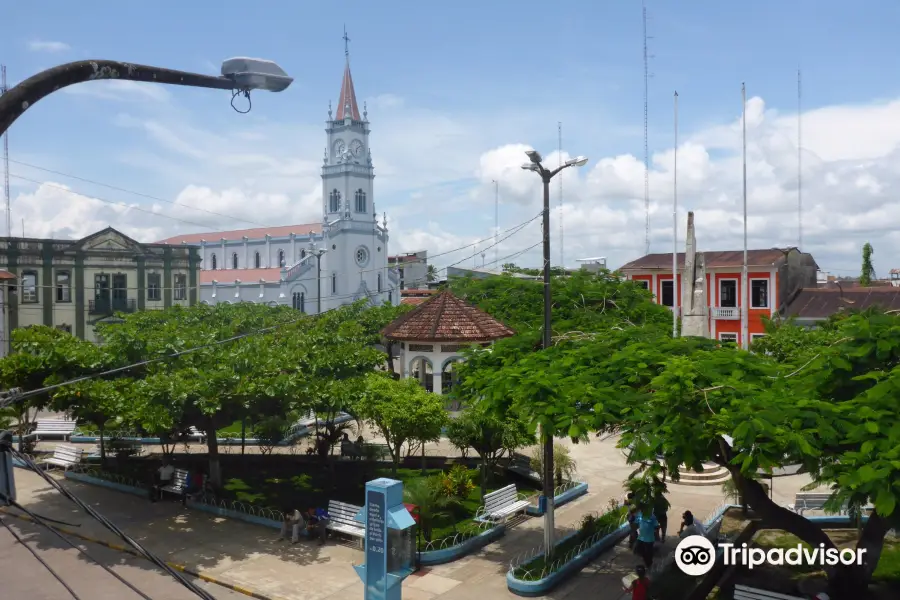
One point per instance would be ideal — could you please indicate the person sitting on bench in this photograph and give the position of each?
(317, 523)
(293, 524)
(162, 478)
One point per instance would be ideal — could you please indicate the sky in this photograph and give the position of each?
(456, 92)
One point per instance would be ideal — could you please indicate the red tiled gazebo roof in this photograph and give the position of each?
(446, 318)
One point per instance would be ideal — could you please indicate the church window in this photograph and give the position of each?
(298, 300)
(302, 254)
(281, 258)
(334, 283)
(334, 201)
(360, 197)
(234, 260)
(256, 261)
(213, 262)
(362, 256)
(379, 282)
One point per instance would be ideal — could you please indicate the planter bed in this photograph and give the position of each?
(450, 553)
(576, 491)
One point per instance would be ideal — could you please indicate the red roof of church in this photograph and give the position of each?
(238, 234)
(446, 318)
(348, 97)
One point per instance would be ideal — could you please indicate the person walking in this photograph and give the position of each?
(640, 586)
(646, 539)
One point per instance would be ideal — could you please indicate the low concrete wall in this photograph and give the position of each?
(580, 489)
(112, 485)
(445, 555)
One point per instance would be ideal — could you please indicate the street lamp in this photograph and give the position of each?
(239, 75)
(318, 252)
(546, 175)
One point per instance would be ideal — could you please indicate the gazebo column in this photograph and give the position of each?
(436, 380)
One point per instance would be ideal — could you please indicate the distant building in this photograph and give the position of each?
(412, 269)
(479, 273)
(314, 266)
(416, 297)
(811, 306)
(775, 276)
(74, 284)
(593, 265)
(7, 279)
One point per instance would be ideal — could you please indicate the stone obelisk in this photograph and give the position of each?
(694, 304)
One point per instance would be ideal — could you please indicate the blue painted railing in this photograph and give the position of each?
(455, 551)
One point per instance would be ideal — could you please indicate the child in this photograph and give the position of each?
(639, 586)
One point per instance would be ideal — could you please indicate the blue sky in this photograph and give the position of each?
(452, 88)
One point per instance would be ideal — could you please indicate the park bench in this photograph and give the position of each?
(809, 501)
(743, 592)
(501, 504)
(64, 456)
(343, 519)
(54, 428)
(178, 484)
(196, 435)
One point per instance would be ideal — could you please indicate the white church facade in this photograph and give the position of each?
(318, 266)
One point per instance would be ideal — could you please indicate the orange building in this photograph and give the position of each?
(775, 277)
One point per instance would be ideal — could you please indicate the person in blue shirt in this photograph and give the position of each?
(647, 526)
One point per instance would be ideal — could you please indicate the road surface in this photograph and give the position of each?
(22, 576)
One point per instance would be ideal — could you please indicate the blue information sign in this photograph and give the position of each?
(375, 538)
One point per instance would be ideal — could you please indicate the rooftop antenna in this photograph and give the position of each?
(562, 253)
(496, 219)
(799, 164)
(646, 144)
(675, 228)
(6, 195)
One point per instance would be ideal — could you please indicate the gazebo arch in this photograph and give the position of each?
(434, 334)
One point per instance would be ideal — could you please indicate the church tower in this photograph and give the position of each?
(357, 243)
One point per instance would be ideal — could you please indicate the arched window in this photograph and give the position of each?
(334, 201)
(334, 283)
(302, 254)
(234, 260)
(281, 258)
(256, 260)
(298, 300)
(213, 262)
(360, 198)
(379, 282)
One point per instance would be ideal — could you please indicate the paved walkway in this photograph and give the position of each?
(250, 556)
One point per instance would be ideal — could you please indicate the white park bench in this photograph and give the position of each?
(809, 501)
(178, 484)
(196, 435)
(64, 456)
(501, 505)
(343, 519)
(53, 428)
(743, 592)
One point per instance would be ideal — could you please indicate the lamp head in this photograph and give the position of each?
(578, 161)
(530, 167)
(533, 156)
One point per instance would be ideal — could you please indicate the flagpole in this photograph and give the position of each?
(745, 292)
(675, 304)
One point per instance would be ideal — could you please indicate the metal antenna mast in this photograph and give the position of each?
(562, 253)
(799, 164)
(6, 195)
(646, 144)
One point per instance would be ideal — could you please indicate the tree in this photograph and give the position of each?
(432, 273)
(491, 436)
(564, 467)
(401, 411)
(868, 271)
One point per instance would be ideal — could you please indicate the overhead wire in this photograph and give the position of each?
(40, 521)
(40, 560)
(112, 527)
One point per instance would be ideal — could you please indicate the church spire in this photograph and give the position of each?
(347, 106)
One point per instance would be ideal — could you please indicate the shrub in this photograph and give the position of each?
(456, 484)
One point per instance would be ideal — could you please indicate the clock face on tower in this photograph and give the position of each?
(339, 148)
(356, 147)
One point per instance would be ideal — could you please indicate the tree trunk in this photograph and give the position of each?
(212, 444)
(423, 458)
(395, 458)
(847, 581)
(102, 448)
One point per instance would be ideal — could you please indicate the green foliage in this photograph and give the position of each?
(564, 468)
(867, 274)
(456, 484)
(269, 431)
(430, 499)
(402, 411)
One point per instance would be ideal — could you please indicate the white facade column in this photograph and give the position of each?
(268, 252)
(246, 254)
(225, 258)
(237, 290)
(436, 380)
(655, 289)
(294, 257)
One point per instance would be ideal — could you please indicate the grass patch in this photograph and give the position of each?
(591, 526)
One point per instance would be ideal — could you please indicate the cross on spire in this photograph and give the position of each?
(346, 43)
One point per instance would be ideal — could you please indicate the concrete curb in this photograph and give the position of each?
(121, 548)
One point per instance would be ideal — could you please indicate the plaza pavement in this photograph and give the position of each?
(251, 557)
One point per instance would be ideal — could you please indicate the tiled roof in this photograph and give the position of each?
(413, 300)
(714, 259)
(347, 99)
(254, 234)
(446, 318)
(821, 303)
(6, 275)
(245, 275)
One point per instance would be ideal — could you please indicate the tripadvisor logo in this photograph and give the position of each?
(696, 555)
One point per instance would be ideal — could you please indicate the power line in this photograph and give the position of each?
(132, 192)
(112, 527)
(40, 521)
(40, 560)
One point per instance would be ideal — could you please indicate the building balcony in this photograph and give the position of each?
(725, 313)
(110, 306)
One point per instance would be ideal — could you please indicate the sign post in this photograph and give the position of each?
(390, 542)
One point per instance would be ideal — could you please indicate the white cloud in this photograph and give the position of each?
(44, 46)
(435, 180)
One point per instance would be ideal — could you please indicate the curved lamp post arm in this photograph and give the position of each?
(22, 97)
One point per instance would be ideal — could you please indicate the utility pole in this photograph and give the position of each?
(745, 293)
(675, 287)
(6, 194)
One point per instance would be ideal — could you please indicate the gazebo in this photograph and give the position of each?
(432, 335)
